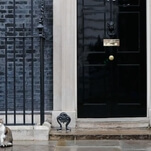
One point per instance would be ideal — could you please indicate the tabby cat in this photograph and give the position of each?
(6, 138)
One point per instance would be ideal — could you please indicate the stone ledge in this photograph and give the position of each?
(35, 132)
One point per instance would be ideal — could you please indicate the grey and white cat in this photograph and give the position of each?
(6, 138)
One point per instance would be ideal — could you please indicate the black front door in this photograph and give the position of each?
(111, 58)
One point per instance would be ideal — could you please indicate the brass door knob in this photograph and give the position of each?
(111, 57)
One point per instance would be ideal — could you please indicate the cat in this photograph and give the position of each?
(6, 138)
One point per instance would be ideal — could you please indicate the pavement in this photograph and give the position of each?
(81, 145)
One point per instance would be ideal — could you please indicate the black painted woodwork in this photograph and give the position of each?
(111, 88)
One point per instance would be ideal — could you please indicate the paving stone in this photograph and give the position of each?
(78, 145)
(88, 148)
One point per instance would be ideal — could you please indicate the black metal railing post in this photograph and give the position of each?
(41, 36)
(42, 40)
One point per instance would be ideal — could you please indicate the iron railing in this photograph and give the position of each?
(22, 74)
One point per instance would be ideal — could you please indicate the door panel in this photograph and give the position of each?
(111, 88)
(129, 2)
(129, 32)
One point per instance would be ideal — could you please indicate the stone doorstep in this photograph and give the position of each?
(35, 132)
(117, 133)
(137, 128)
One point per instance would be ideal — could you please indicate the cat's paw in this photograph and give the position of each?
(2, 146)
(9, 144)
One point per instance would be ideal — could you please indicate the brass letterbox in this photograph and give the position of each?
(111, 42)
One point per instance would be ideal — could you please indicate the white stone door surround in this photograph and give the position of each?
(65, 60)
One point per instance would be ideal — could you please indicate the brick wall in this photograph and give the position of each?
(20, 57)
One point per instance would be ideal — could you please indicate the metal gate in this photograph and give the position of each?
(21, 62)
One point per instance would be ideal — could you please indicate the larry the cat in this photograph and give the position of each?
(6, 138)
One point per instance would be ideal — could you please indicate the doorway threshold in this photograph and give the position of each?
(112, 123)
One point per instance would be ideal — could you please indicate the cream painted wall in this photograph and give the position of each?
(64, 59)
